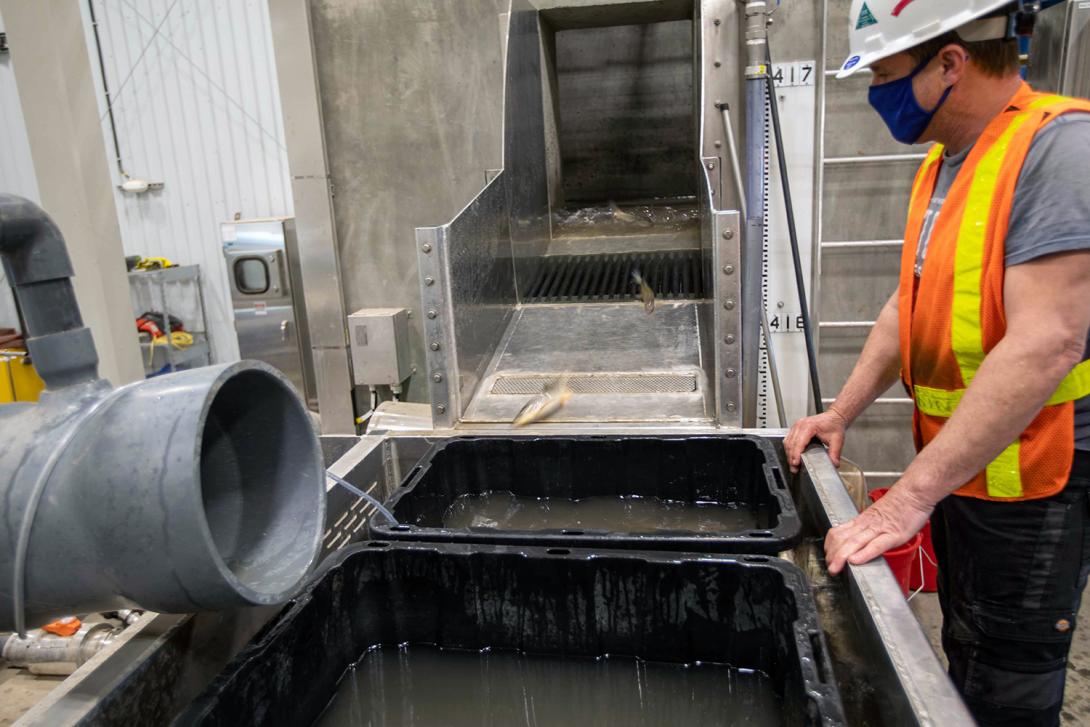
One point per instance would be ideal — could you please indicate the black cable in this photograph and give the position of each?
(811, 354)
(106, 89)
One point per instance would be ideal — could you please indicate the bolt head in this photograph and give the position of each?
(731, 373)
(426, 247)
(711, 165)
(717, 21)
(435, 345)
(432, 314)
(731, 406)
(729, 340)
(442, 408)
(728, 234)
(429, 280)
(717, 64)
(728, 270)
(718, 144)
(779, 304)
(729, 305)
(437, 378)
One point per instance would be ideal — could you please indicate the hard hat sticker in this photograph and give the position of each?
(851, 63)
(866, 18)
(901, 6)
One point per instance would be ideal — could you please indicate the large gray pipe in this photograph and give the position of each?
(199, 490)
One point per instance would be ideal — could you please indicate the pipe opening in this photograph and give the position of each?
(259, 475)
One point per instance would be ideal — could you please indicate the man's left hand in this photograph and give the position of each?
(889, 522)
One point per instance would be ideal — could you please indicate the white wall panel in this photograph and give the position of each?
(16, 165)
(197, 107)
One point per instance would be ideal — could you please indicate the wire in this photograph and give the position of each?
(178, 339)
(106, 89)
(360, 493)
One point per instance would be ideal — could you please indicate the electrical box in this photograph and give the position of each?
(380, 346)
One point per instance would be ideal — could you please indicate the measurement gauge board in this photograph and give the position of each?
(797, 96)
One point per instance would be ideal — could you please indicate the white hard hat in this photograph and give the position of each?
(881, 28)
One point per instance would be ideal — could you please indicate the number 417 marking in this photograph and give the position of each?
(799, 73)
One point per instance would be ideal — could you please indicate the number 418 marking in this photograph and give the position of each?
(787, 323)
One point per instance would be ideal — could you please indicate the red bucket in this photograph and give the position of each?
(921, 568)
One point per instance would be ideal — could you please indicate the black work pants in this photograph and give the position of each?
(1011, 576)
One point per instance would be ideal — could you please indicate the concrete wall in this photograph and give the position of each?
(412, 107)
(625, 102)
(16, 166)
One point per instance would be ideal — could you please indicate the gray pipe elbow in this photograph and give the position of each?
(37, 265)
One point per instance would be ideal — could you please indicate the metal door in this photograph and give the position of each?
(266, 322)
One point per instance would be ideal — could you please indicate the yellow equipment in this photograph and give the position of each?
(153, 263)
(18, 379)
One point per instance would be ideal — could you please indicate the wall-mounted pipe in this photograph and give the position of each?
(753, 246)
(200, 490)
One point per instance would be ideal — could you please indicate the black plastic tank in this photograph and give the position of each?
(692, 480)
(370, 640)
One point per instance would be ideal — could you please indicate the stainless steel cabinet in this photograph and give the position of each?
(266, 292)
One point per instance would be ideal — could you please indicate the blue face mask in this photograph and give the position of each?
(896, 103)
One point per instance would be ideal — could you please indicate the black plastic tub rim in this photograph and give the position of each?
(783, 534)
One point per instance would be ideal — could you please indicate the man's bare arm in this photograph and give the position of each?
(877, 369)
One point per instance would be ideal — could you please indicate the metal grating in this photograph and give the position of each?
(673, 275)
(599, 384)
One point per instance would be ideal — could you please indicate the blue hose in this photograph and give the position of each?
(360, 493)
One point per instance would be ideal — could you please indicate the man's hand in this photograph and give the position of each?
(828, 427)
(890, 522)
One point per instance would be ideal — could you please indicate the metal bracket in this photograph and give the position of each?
(727, 293)
(713, 166)
(431, 253)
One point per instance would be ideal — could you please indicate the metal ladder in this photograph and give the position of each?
(862, 443)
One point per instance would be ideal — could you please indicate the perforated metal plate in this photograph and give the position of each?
(665, 383)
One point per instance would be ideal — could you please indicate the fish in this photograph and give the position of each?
(646, 294)
(552, 399)
(621, 216)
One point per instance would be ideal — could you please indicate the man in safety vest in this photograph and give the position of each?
(988, 333)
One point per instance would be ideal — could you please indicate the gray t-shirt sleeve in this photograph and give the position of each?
(1051, 208)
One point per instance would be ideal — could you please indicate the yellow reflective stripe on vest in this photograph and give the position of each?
(937, 402)
(1047, 101)
(1003, 474)
(1075, 385)
(942, 403)
(966, 331)
(933, 155)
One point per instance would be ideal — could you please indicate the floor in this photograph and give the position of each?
(20, 690)
(1077, 695)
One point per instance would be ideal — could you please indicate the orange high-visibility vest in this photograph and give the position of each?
(954, 315)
